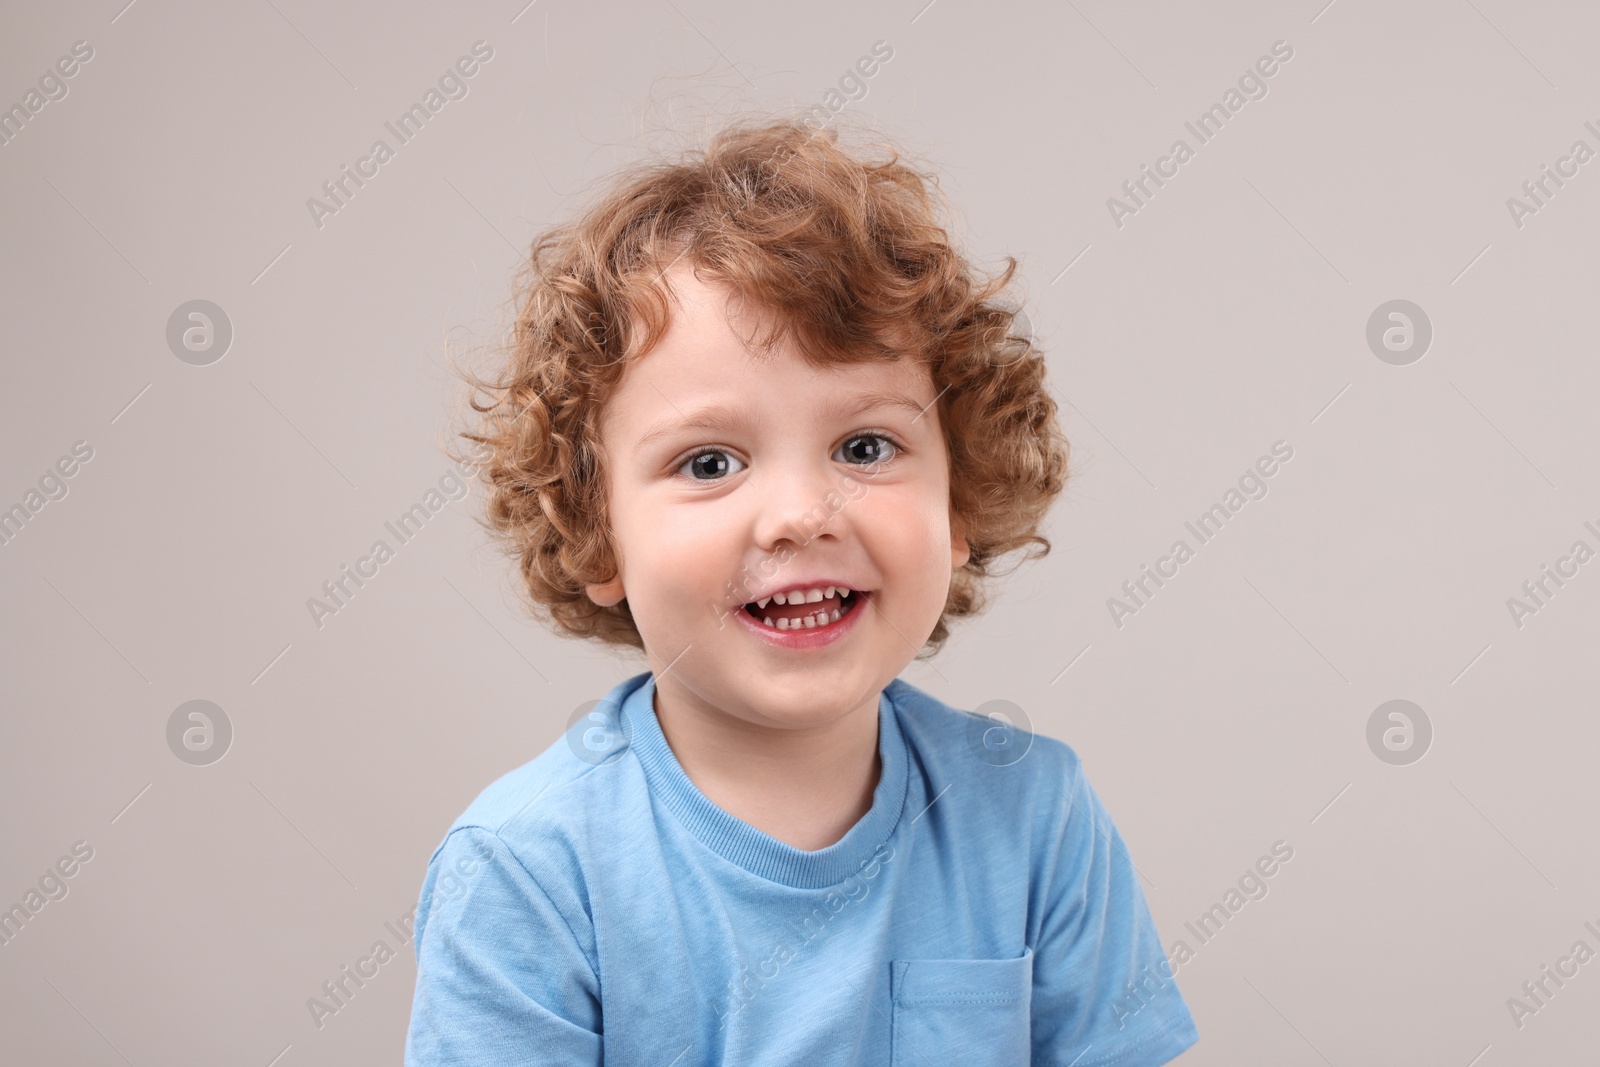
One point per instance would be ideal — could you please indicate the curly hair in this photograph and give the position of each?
(848, 255)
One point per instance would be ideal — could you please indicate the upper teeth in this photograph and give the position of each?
(803, 596)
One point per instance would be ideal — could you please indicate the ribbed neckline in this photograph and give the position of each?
(736, 840)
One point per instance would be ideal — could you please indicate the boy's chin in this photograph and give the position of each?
(816, 704)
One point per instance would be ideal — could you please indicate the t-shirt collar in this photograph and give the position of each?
(742, 844)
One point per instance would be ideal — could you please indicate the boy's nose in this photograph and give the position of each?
(799, 504)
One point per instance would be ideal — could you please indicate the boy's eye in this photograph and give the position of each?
(712, 464)
(853, 452)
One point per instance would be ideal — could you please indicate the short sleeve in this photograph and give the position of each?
(1103, 991)
(501, 976)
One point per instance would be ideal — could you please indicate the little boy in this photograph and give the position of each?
(769, 849)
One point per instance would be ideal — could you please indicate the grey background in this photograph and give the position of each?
(1229, 313)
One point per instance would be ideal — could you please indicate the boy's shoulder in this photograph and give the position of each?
(1005, 794)
(581, 780)
(991, 747)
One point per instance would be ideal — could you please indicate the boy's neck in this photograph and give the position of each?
(806, 787)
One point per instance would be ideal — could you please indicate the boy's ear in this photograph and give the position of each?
(607, 594)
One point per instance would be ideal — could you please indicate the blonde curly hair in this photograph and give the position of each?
(848, 255)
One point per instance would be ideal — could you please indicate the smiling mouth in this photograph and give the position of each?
(815, 615)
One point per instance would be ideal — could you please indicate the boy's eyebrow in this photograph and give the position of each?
(723, 416)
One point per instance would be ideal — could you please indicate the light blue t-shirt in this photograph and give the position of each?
(593, 906)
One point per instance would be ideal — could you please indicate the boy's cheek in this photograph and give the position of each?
(853, 489)
(903, 506)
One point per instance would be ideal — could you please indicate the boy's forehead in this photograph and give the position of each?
(706, 355)
(737, 387)
(711, 311)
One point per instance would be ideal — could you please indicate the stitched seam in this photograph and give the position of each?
(1109, 1059)
(540, 887)
(961, 998)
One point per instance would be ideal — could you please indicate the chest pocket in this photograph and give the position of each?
(972, 1013)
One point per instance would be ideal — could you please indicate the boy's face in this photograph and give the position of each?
(786, 493)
